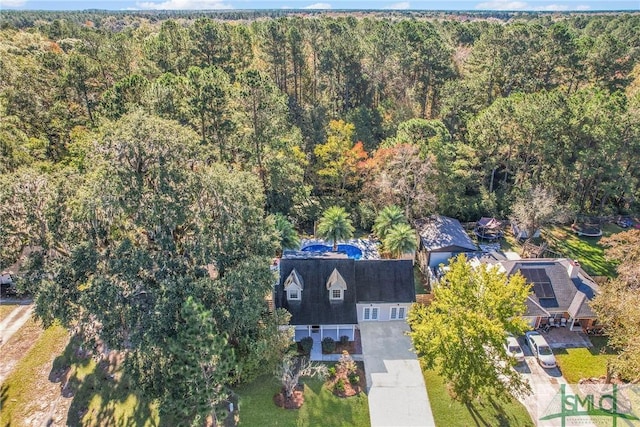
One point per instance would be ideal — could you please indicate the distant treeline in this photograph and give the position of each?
(474, 108)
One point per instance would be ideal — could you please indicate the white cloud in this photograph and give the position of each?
(403, 5)
(502, 5)
(552, 8)
(318, 6)
(521, 5)
(184, 5)
(12, 3)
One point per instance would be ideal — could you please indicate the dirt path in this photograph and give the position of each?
(13, 322)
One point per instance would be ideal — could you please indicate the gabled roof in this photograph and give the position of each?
(315, 308)
(443, 234)
(564, 294)
(294, 279)
(384, 281)
(336, 281)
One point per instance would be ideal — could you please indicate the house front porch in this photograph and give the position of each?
(559, 337)
(320, 332)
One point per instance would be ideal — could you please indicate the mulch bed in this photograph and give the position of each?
(601, 380)
(349, 389)
(295, 402)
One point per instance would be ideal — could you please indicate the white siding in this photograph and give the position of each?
(384, 310)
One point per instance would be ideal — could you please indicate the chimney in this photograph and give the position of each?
(573, 268)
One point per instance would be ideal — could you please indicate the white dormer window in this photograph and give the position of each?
(336, 286)
(293, 286)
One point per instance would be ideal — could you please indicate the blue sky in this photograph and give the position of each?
(545, 5)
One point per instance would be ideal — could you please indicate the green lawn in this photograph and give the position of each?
(450, 413)
(101, 399)
(321, 407)
(586, 250)
(578, 363)
(22, 389)
(97, 399)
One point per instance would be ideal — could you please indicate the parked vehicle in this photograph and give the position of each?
(513, 349)
(624, 221)
(540, 349)
(7, 287)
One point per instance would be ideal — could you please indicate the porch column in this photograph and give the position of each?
(308, 330)
(321, 332)
(337, 333)
(573, 321)
(353, 332)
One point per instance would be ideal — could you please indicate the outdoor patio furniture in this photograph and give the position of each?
(563, 322)
(552, 321)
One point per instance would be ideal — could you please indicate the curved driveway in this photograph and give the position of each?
(397, 393)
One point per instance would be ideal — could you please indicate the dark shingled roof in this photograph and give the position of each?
(571, 295)
(443, 234)
(367, 281)
(385, 281)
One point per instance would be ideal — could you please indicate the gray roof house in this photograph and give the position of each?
(441, 238)
(330, 296)
(560, 289)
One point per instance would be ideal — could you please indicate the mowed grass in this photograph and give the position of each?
(101, 394)
(450, 413)
(23, 389)
(578, 363)
(320, 408)
(587, 250)
(97, 398)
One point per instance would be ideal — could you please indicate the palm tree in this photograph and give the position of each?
(386, 219)
(400, 239)
(335, 225)
(287, 235)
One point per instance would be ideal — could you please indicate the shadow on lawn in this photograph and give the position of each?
(88, 382)
(587, 250)
(499, 416)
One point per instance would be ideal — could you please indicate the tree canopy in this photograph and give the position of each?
(462, 332)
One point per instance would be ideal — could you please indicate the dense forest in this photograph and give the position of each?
(139, 148)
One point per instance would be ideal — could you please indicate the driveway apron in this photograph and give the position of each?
(396, 390)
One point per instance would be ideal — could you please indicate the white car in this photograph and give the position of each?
(540, 349)
(513, 349)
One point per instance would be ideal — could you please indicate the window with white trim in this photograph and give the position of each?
(336, 286)
(294, 294)
(370, 313)
(397, 313)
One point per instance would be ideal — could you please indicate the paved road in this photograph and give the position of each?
(13, 322)
(397, 393)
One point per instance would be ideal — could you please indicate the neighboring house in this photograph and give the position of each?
(328, 297)
(441, 238)
(560, 289)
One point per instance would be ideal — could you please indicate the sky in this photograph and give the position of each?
(515, 5)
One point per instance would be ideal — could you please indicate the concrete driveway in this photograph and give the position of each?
(396, 390)
(545, 387)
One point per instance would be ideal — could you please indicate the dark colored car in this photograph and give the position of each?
(624, 221)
